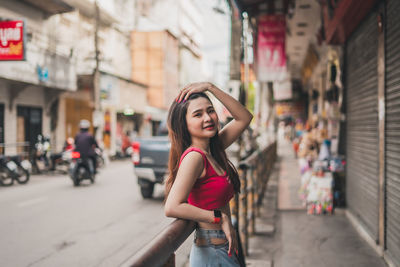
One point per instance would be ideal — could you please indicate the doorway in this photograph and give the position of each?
(29, 126)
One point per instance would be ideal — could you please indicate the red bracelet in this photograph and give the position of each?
(217, 220)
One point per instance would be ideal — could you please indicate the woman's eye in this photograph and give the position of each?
(197, 115)
(211, 111)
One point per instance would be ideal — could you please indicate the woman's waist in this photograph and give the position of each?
(203, 226)
(209, 234)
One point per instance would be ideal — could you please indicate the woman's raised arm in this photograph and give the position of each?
(241, 116)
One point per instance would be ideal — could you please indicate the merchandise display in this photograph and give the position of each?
(322, 173)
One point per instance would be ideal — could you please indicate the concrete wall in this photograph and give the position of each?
(41, 50)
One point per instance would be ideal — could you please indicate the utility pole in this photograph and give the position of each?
(97, 114)
(236, 34)
(246, 78)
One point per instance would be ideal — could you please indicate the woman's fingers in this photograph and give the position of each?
(234, 245)
(183, 95)
(230, 247)
(190, 89)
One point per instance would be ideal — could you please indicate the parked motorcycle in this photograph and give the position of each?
(22, 170)
(81, 169)
(40, 155)
(13, 168)
(44, 161)
(7, 171)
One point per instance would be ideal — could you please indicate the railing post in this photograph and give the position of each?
(234, 205)
(259, 171)
(243, 208)
(250, 204)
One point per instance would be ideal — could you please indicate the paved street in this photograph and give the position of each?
(287, 236)
(48, 222)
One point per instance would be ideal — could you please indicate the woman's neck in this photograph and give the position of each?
(203, 144)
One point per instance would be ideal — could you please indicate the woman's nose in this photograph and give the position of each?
(207, 117)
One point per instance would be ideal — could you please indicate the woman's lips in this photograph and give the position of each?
(209, 127)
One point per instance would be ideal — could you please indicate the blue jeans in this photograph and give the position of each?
(210, 255)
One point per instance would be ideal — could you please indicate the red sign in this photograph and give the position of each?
(12, 40)
(271, 56)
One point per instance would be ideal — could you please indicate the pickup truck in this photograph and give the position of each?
(150, 161)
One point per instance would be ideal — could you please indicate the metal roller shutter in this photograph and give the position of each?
(362, 142)
(392, 131)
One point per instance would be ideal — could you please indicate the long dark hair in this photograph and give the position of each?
(181, 140)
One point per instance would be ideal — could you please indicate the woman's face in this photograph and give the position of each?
(201, 118)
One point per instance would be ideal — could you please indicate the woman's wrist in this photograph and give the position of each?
(217, 217)
(212, 88)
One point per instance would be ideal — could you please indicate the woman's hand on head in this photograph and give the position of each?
(191, 89)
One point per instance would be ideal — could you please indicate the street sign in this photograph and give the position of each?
(12, 40)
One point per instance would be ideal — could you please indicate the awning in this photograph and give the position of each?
(51, 6)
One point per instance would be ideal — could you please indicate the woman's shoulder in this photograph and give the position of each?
(196, 153)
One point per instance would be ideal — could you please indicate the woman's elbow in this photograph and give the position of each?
(248, 120)
(168, 211)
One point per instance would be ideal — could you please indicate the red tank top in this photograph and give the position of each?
(212, 191)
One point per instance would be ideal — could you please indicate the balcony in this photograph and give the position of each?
(51, 7)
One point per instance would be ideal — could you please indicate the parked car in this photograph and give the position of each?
(150, 160)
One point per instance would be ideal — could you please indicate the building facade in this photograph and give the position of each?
(30, 90)
(99, 36)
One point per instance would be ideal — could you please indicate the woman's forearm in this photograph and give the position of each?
(237, 110)
(190, 212)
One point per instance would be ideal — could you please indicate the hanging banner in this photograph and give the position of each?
(271, 56)
(12, 46)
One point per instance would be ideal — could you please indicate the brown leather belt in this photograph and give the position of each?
(201, 241)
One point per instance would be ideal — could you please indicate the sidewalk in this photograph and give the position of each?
(287, 237)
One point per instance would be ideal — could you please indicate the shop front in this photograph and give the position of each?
(123, 103)
(392, 132)
(76, 106)
(371, 100)
(362, 136)
(76, 110)
(131, 107)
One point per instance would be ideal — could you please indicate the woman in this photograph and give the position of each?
(201, 179)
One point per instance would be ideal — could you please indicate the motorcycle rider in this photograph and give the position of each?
(85, 143)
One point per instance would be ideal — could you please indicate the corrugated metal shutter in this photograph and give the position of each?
(392, 131)
(362, 124)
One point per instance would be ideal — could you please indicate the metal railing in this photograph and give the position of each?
(254, 174)
(161, 250)
(22, 148)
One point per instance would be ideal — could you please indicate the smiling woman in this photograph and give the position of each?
(201, 178)
(201, 118)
